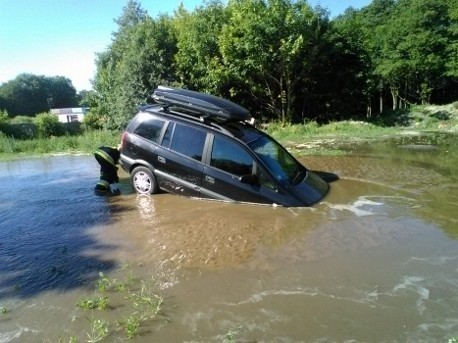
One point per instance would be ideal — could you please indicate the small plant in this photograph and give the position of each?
(146, 303)
(99, 330)
(107, 284)
(143, 304)
(230, 336)
(453, 340)
(97, 303)
(130, 325)
(3, 310)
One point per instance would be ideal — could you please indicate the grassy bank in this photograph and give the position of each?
(414, 120)
(85, 143)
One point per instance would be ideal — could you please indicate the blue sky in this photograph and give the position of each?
(61, 37)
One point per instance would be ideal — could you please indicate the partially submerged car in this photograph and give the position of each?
(199, 145)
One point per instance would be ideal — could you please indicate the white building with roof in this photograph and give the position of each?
(70, 115)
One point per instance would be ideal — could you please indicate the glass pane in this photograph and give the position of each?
(282, 165)
(230, 157)
(188, 141)
(150, 129)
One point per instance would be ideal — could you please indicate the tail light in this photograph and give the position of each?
(123, 139)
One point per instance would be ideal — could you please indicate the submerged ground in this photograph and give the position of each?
(376, 260)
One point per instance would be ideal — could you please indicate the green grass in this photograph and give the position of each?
(417, 118)
(11, 148)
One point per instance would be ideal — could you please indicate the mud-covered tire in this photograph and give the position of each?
(144, 181)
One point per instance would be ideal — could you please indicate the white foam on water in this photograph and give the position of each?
(447, 325)
(258, 297)
(364, 206)
(412, 283)
(435, 260)
(6, 337)
(356, 207)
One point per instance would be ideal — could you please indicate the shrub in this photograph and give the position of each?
(93, 121)
(3, 120)
(48, 125)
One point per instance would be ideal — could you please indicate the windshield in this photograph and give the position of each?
(282, 165)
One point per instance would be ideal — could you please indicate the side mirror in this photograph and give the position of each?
(248, 178)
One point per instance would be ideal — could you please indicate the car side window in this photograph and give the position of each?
(188, 141)
(150, 129)
(230, 157)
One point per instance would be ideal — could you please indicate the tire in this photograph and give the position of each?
(144, 181)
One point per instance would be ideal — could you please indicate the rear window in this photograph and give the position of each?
(150, 129)
(188, 141)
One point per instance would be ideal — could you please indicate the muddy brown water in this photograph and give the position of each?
(375, 261)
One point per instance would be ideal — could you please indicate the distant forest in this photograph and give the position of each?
(282, 59)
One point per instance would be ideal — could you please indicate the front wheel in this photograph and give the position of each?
(144, 181)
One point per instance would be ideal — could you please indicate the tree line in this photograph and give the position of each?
(29, 94)
(282, 59)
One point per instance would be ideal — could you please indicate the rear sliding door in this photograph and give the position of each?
(179, 159)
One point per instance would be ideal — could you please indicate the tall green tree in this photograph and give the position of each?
(374, 20)
(269, 47)
(342, 89)
(198, 58)
(452, 49)
(139, 58)
(29, 94)
(414, 50)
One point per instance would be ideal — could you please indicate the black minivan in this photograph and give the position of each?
(199, 145)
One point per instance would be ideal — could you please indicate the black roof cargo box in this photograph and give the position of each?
(216, 108)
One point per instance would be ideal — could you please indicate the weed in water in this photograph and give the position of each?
(231, 336)
(107, 284)
(146, 303)
(97, 303)
(99, 330)
(131, 326)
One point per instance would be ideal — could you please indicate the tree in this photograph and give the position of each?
(30, 94)
(269, 47)
(139, 58)
(132, 15)
(414, 50)
(374, 20)
(198, 57)
(343, 87)
(146, 63)
(452, 49)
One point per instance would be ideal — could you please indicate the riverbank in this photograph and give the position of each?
(303, 139)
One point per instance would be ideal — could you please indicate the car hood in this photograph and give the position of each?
(311, 189)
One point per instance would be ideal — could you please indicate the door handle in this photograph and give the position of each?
(209, 179)
(161, 159)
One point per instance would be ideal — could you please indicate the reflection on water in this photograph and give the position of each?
(376, 260)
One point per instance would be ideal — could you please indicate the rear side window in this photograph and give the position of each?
(230, 157)
(150, 129)
(188, 141)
